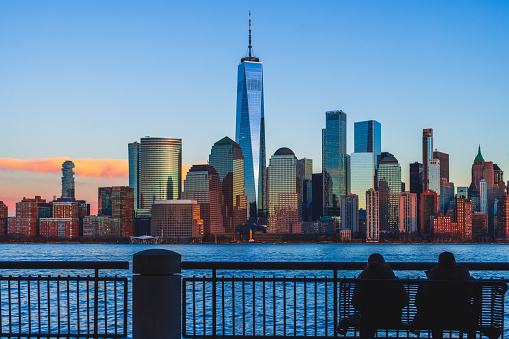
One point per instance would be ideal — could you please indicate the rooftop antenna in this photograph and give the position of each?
(249, 46)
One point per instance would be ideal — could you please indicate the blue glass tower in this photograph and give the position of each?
(368, 138)
(250, 129)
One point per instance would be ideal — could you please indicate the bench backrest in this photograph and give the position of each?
(420, 299)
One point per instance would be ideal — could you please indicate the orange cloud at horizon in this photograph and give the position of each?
(96, 168)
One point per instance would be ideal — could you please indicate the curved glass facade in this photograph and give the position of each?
(160, 170)
(249, 127)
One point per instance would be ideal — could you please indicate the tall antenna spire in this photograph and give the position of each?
(249, 46)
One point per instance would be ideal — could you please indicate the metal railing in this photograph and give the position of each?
(75, 306)
(232, 304)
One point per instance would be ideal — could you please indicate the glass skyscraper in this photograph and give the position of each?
(362, 167)
(250, 128)
(368, 138)
(67, 179)
(427, 155)
(389, 187)
(134, 160)
(334, 162)
(159, 171)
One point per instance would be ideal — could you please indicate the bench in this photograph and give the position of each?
(482, 301)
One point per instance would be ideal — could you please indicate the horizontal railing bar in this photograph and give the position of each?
(64, 265)
(317, 266)
(487, 282)
(60, 278)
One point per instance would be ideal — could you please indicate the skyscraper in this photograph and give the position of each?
(444, 163)
(350, 213)
(429, 209)
(159, 171)
(134, 161)
(482, 170)
(408, 212)
(427, 154)
(362, 167)
(305, 172)
(368, 138)
(67, 179)
(372, 216)
(226, 157)
(203, 185)
(104, 201)
(434, 175)
(389, 187)
(483, 196)
(283, 197)
(250, 127)
(334, 162)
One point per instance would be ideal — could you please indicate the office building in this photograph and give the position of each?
(305, 171)
(362, 167)
(101, 226)
(368, 138)
(416, 179)
(463, 217)
(134, 162)
(429, 209)
(498, 174)
(317, 187)
(334, 161)
(227, 159)
(177, 220)
(67, 179)
(479, 225)
(65, 222)
(446, 194)
(203, 185)
(159, 171)
(408, 212)
(350, 213)
(462, 192)
(122, 207)
(104, 201)
(4, 214)
(283, 197)
(434, 175)
(427, 154)
(250, 127)
(503, 217)
(372, 216)
(483, 196)
(389, 188)
(444, 163)
(482, 170)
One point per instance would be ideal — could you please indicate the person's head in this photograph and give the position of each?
(446, 259)
(376, 258)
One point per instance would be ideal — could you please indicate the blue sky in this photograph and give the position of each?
(81, 79)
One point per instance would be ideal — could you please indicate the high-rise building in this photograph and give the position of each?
(462, 192)
(434, 175)
(283, 197)
(498, 174)
(416, 179)
(389, 188)
(334, 161)
(427, 154)
(4, 214)
(350, 213)
(65, 222)
(203, 185)
(479, 225)
(362, 178)
(28, 213)
(122, 208)
(368, 138)
(305, 171)
(134, 171)
(317, 186)
(250, 127)
(104, 201)
(446, 194)
(429, 209)
(463, 217)
(408, 212)
(159, 171)
(482, 170)
(444, 163)
(503, 217)
(227, 159)
(483, 196)
(67, 179)
(178, 220)
(372, 216)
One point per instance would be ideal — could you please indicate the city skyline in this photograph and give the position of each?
(67, 88)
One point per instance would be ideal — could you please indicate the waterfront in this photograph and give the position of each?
(262, 252)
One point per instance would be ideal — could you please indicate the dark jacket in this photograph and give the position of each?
(379, 304)
(449, 273)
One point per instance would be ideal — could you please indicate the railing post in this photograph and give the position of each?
(156, 295)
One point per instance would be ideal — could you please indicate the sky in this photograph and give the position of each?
(79, 80)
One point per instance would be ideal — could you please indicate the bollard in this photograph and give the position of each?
(156, 295)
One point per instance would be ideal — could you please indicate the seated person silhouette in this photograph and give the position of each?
(379, 304)
(446, 306)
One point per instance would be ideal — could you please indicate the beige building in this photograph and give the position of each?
(176, 219)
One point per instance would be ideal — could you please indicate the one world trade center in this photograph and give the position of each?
(250, 128)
